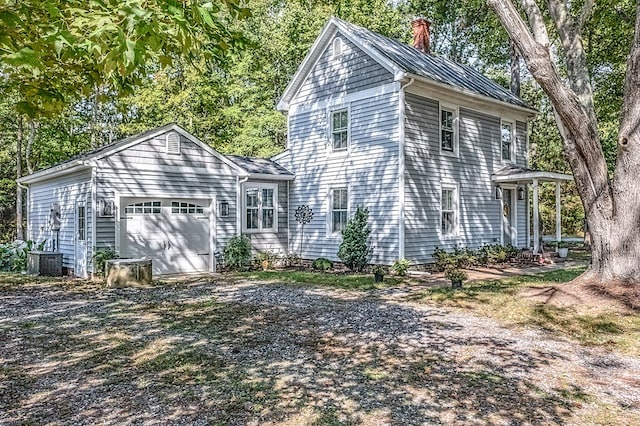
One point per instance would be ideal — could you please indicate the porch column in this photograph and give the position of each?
(536, 218)
(558, 215)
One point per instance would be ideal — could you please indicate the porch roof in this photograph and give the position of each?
(515, 174)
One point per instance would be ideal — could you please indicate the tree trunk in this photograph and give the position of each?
(612, 209)
(19, 192)
(515, 69)
(32, 135)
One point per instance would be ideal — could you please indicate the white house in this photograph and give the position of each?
(435, 150)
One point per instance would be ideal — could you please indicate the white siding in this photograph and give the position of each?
(369, 170)
(66, 191)
(426, 169)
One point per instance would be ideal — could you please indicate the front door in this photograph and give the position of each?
(80, 269)
(508, 217)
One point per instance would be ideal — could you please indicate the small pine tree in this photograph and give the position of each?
(354, 249)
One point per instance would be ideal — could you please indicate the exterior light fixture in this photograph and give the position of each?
(498, 192)
(520, 193)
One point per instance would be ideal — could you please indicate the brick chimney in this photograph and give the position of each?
(421, 35)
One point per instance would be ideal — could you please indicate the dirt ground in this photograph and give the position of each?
(243, 352)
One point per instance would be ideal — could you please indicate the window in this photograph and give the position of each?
(448, 130)
(260, 207)
(448, 209)
(178, 207)
(147, 207)
(340, 129)
(82, 223)
(506, 141)
(339, 209)
(173, 143)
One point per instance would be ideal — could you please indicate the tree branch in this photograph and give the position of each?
(536, 22)
(585, 14)
(581, 137)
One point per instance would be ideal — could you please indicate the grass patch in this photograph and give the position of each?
(359, 282)
(500, 299)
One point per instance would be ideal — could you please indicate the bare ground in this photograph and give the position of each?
(251, 353)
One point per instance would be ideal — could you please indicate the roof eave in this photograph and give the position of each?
(529, 111)
(54, 172)
(267, 176)
(539, 175)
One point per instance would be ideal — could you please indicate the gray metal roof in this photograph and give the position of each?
(436, 68)
(512, 173)
(259, 166)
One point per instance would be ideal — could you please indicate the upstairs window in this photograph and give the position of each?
(506, 141)
(340, 130)
(260, 208)
(339, 209)
(448, 130)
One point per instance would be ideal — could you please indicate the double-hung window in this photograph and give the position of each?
(448, 210)
(260, 207)
(339, 209)
(506, 141)
(448, 130)
(340, 129)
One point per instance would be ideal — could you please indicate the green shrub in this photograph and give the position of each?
(100, 258)
(322, 264)
(291, 259)
(354, 249)
(461, 258)
(20, 254)
(237, 252)
(380, 270)
(401, 266)
(266, 259)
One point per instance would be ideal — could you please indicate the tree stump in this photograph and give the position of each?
(128, 272)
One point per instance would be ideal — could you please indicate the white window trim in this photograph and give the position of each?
(260, 186)
(330, 111)
(456, 129)
(166, 143)
(512, 148)
(329, 223)
(456, 209)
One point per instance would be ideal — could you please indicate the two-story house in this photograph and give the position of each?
(435, 150)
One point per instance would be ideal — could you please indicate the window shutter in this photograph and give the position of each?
(173, 143)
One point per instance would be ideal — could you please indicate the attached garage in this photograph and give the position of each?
(175, 232)
(162, 194)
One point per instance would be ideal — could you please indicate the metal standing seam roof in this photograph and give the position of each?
(436, 68)
(259, 166)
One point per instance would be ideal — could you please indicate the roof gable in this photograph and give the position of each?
(86, 159)
(403, 61)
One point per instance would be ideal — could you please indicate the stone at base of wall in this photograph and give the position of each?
(128, 272)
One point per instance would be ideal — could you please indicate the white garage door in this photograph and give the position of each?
(174, 233)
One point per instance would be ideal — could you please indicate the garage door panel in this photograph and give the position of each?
(175, 234)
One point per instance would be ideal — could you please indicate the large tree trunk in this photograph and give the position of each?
(19, 192)
(612, 208)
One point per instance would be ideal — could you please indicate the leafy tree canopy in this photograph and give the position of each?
(52, 51)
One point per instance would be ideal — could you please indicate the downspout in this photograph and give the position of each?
(94, 216)
(401, 168)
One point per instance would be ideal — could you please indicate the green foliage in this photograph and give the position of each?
(354, 250)
(455, 275)
(291, 259)
(54, 50)
(461, 258)
(237, 252)
(322, 264)
(265, 259)
(380, 270)
(401, 266)
(100, 257)
(13, 256)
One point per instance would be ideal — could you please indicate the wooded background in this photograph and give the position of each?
(223, 77)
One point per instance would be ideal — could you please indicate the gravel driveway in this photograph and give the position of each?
(254, 353)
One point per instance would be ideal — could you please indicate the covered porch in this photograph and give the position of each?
(523, 178)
